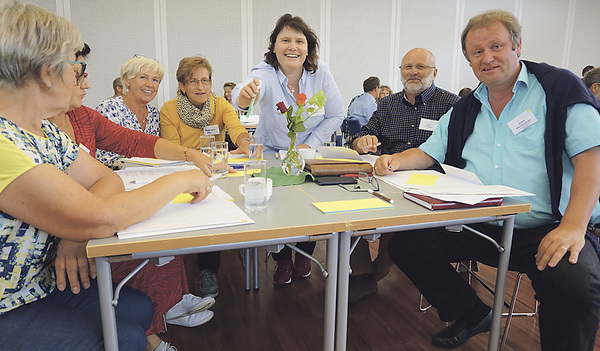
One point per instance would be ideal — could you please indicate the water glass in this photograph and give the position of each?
(256, 147)
(219, 152)
(255, 187)
(205, 144)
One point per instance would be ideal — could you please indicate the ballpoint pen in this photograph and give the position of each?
(385, 198)
(251, 105)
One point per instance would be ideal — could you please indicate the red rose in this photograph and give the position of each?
(281, 107)
(300, 99)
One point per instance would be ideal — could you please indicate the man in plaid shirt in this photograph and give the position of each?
(402, 121)
(406, 119)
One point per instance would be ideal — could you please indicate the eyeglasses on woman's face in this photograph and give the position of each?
(195, 82)
(79, 76)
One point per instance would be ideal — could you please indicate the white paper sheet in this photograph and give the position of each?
(463, 187)
(215, 211)
(153, 162)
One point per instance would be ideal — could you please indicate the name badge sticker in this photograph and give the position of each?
(521, 122)
(428, 124)
(211, 130)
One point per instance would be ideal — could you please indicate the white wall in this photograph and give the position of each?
(358, 38)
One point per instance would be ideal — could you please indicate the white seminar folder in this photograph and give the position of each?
(215, 211)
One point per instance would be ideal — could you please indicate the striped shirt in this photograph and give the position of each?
(396, 122)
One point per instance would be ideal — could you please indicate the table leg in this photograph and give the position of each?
(331, 291)
(507, 236)
(107, 311)
(255, 270)
(246, 269)
(342, 294)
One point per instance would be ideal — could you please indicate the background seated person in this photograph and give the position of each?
(384, 91)
(363, 107)
(227, 89)
(117, 87)
(592, 81)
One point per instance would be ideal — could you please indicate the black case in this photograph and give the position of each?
(334, 180)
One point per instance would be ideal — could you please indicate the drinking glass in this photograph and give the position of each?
(206, 144)
(219, 152)
(255, 187)
(256, 147)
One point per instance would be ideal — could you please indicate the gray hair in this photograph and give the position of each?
(135, 65)
(509, 20)
(31, 37)
(591, 77)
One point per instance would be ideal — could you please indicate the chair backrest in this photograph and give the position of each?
(350, 127)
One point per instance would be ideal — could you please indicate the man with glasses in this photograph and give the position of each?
(401, 121)
(592, 81)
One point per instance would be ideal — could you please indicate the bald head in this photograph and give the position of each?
(418, 71)
(423, 55)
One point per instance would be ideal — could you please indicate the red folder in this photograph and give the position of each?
(435, 204)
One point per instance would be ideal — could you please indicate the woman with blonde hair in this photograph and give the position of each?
(140, 77)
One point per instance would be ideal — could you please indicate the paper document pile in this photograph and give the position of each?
(215, 211)
(456, 185)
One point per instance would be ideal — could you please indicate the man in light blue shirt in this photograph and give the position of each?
(363, 107)
(536, 128)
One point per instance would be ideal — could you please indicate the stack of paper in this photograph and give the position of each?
(135, 177)
(215, 211)
(154, 162)
(456, 185)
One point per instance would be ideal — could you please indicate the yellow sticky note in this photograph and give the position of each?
(238, 160)
(182, 199)
(236, 174)
(351, 205)
(422, 179)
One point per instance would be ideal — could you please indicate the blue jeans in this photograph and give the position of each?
(67, 321)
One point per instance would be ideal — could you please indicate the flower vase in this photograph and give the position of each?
(292, 163)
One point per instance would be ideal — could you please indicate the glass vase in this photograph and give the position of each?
(292, 163)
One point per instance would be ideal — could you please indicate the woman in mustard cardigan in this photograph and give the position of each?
(197, 111)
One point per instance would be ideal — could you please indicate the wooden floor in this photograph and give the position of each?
(291, 317)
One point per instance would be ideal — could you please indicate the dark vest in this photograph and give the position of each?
(562, 89)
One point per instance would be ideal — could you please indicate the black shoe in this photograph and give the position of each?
(361, 286)
(457, 334)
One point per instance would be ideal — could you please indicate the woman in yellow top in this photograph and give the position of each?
(197, 111)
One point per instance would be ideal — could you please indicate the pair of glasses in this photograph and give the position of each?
(419, 68)
(365, 182)
(195, 82)
(81, 75)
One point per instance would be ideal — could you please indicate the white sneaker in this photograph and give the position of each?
(189, 304)
(192, 320)
(165, 346)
